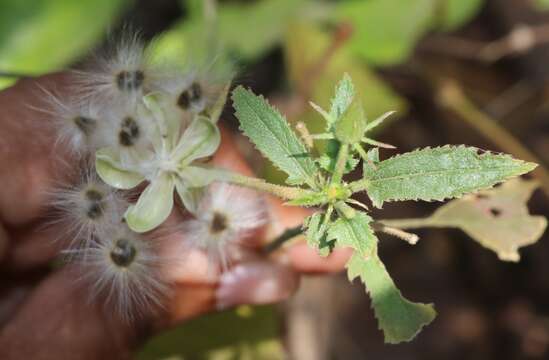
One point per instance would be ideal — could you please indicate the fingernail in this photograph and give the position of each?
(255, 283)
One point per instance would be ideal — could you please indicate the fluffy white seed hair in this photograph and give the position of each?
(130, 131)
(122, 270)
(78, 125)
(120, 75)
(226, 216)
(84, 209)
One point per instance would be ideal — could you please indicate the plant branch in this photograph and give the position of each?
(342, 157)
(283, 192)
(410, 238)
(412, 223)
(287, 235)
(521, 39)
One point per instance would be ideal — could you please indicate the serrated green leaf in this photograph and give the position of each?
(439, 173)
(327, 162)
(272, 135)
(399, 319)
(316, 233)
(344, 95)
(373, 155)
(355, 233)
(351, 126)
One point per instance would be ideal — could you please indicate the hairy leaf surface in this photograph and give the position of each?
(439, 173)
(272, 135)
(399, 319)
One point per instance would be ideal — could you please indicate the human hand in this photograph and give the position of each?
(44, 316)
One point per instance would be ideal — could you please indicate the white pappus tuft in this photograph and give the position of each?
(86, 209)
(121, 75)
(130, 131)
(225, 217)
(123, 270)
(78, 125)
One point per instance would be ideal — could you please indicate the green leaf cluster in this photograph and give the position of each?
(341, 221)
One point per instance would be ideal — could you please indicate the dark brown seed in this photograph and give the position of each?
(123, 253)
(189, 96)
(95, 206)
(129, 132)
(130, 80)
(219, 223)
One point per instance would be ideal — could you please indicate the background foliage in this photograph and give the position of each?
(376, 42)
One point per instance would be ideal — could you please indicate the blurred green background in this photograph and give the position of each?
(457, 71)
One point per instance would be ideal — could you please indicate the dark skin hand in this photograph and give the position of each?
(43, 315)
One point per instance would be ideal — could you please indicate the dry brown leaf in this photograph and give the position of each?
(498, 218)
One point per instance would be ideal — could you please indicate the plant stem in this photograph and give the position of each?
(409, 223)
(283, 192)
(287, 235)
(342, 156)
(410, 238)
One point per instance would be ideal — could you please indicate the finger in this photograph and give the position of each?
(255, 283)
(32, 247)
(29, 161)
(57, 318)
(304, 259)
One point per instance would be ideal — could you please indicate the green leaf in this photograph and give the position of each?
(439, 173)
(399, 319)
(350, 127)
(355, 233)
(192, 37)
(454, 13)
(153, 206)
(327, 162)
(316, 233)
(377, 98)
(109, 170)
(344, 95)
(542, 4)
(41, 36)
(497, 218)
(386, 31)
(272, 135)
